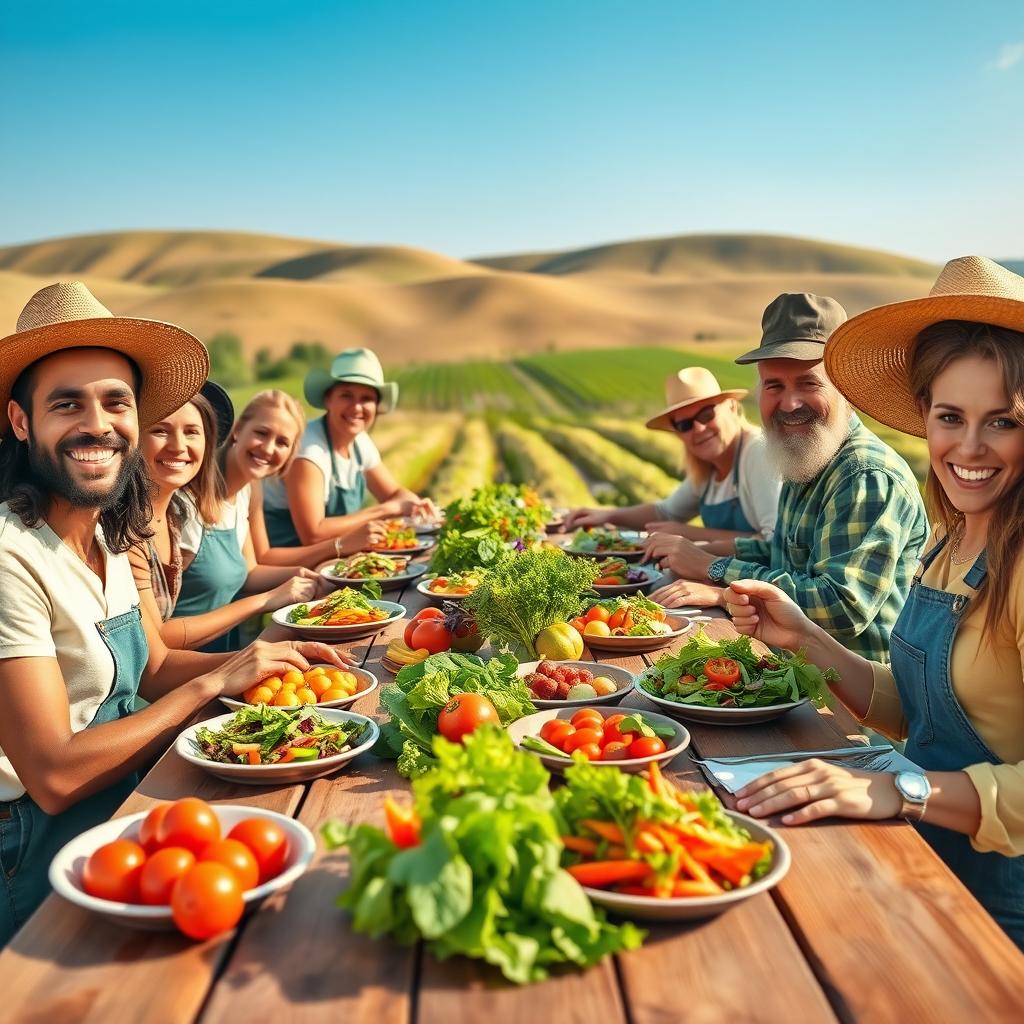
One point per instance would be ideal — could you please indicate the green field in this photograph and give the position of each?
(569, 422)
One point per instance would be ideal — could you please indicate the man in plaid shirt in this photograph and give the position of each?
(851, 520)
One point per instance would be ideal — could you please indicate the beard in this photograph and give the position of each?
(53, 476)
(800, 458)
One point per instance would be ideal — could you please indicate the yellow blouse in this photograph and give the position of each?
(988, 680)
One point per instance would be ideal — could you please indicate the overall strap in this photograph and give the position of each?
(736, 464)
(928, 557)
(977, 573)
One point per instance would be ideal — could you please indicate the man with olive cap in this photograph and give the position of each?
(851, 521)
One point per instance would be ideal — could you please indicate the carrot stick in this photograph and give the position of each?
(600, 873)
(646, 841)
(695, 889)
(580, 845)
(605, 829)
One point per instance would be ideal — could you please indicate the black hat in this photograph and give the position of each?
(796, 325)
(223, 409)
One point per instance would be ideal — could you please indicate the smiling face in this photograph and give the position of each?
(351, 409)
(263, 442)
(975, 445)
(174, 448)
(710, 441)
(81, 424)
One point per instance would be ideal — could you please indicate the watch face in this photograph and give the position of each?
(912, 785)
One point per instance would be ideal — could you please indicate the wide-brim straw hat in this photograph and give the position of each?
(358, 365)
(868, 357)
(173, 364)
(687, 389)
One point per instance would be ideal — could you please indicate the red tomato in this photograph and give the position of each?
(579, 624)
(268, 843)
(161, 872)
(617, 618)
(591, 751)
(611, 729)
(597, 614)
(421, 616)
(432, 635)
(552, 725)
(560, 736)
(581, 738)
(463, 713)
(190, 823)
(150, 828)
(112, 872)
(722, 670)
(588, 718)
(207, 900)
(615, 751)
(645, 746)
(236, 856)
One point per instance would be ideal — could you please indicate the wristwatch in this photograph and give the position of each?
(914, 788)
(716, 570)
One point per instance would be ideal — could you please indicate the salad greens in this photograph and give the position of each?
(420, 691)
(341, 600)
(764, 680)
(367, 566)
(481, 876)
(277, 735)
(598, 540)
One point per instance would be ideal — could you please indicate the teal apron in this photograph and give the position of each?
(213, 580)
(341, 500)
(29, 837)
(941, 738)
(726, 515)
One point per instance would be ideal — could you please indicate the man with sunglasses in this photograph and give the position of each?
(851, 522)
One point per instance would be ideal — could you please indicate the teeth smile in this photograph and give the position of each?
(963, 473)
(174, 463)
(92, 454)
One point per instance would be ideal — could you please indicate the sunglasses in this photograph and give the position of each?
(706, 415)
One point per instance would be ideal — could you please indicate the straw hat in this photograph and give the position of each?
(867, 357)
(359, 365)
(692, 386)
(173, 363)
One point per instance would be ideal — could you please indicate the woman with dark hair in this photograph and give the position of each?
(950, 368)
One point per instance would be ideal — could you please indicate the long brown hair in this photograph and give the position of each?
(206, 488)
(936, 348)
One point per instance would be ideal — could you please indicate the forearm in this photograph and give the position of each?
(856, 679)
(178, 667)
(337, 526)
(633, 517)
(191, 631)
(262, 578)
(725, 539)
(953, 803)
(309, 555)
(721, 547)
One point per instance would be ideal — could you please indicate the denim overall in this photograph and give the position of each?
(726, 515)
(341, 501)
(212, 580)
(30, 837)
(942, 738)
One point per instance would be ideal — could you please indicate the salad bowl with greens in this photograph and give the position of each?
(388, 571)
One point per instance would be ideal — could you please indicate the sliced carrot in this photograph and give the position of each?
(696, 889)
(646, 841)
(600, 873)
(605, 829)
(735, 865)
(580, 845)
(254, 757)
(288, 755)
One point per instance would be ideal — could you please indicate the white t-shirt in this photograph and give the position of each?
(234, 514)
(315, 447)
(758, 491)
(50, 602)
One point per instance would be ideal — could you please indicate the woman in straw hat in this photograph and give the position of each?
(76, 383)
(949, 367)
(323, 492)
(728, 482)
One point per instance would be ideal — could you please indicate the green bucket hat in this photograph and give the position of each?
(359, 365)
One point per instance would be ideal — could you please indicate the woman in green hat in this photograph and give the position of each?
(322, 494)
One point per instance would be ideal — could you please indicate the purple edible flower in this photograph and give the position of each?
(635, 576)
(520, 545)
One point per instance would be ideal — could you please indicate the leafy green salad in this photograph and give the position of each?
(344, 600)
(730, 673)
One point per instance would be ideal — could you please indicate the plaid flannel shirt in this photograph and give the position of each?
(845, 545)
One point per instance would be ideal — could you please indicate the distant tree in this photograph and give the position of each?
(228, 364)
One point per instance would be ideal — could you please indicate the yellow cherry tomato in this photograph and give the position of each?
(274, 682)
(329, 695)
(305, 695)
(286, 699)
(260, 695)
(293, 676)
(319, 684)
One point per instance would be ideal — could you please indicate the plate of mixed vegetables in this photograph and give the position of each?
(728, 682)
(389, 571)
(453, 586)
(618, 577)
(644, 848)
(631, 741)
(346, 614)
(629, 625)
(399, 537)
(599, 542)
(324, 686)
(263, 745)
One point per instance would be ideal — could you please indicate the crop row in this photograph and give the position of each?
(474, 386)
(415, 461)
(470, 464)
(530, 459)
(657, 446)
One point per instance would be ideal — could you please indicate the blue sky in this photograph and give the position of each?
(487, 127)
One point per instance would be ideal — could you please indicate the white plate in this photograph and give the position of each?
(275, 774)
(66, 867)
(420, 547)
(412, 572)
(531, 726)
(367, 684)
(650, 908)
(627, 556)
(424, 588)
(340, 633)
(638, 644)
(623, 589)
(623, 680)
(717, 716)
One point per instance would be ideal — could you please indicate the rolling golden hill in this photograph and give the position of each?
(414, 305)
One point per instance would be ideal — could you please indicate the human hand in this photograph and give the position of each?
(820, 789)
(261, 660)
(682, 556)
(671, 526)
(581, 518)
(424, 510)
(686, 593)
(764, 612)
(306, 585)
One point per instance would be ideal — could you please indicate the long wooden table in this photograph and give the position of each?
(869, 925)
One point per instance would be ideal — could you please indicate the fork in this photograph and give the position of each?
(838, 754)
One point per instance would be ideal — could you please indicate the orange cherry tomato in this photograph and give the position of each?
(581, 738)
(268, 843)
(579, 624)
(463, 713)
(161, 872)
(616, 750)
(588, 715)
(597, 614)
(207, 900)
(112, 872)
(150, 828)
(560, 736)
(591, 751)
(722, 670)
(616, 618)
(646, 746)
(236, 856)
(190, 823)
(550, 726)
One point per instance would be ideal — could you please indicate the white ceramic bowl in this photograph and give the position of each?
(412, 572)
(275, 774)
(367, 684)
(623, 680)
(531, 726)
(650, 908)
(638, 644)
(632, 536)
(341, 633)
(424, 588)
(66, 867)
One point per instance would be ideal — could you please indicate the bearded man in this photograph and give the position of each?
(851, 520)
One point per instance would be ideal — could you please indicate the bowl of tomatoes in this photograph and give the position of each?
(187, 864)
(325, 686)
(629, 740)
